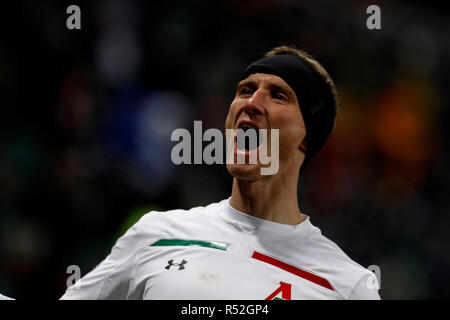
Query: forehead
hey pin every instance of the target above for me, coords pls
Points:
(267, 79)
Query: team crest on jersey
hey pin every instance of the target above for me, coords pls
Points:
(179, 265)
(283, 292)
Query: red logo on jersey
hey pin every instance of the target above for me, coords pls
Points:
(285, 289)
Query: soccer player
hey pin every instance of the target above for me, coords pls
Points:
(256, 244)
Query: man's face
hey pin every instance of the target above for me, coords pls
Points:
(266, 101)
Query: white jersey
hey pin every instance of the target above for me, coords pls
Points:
(2, 297)
(216, 252)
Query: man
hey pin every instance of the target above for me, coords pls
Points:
(256, 244)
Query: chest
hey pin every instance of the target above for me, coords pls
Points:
(210, 271)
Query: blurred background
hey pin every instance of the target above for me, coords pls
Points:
(86, 117)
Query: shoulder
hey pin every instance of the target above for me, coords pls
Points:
(177, 213)
(155, 219)
(178, 222)
(347, 277)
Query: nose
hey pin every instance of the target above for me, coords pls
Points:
(255, 103)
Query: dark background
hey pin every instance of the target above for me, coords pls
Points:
(86, 117)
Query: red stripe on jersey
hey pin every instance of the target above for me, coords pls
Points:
(294, 270)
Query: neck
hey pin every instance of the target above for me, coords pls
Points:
(271, 198)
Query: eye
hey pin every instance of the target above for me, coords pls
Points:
(279, 95)
(245, 90)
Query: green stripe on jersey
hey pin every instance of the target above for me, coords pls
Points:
(179, 242)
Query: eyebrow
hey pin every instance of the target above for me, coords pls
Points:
(272, 86)
(245, 82)
(277, 87)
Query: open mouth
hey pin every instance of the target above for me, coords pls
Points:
(247, 138)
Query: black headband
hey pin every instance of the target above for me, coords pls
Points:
(313, 95)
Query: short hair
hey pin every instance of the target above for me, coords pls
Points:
(325, 121)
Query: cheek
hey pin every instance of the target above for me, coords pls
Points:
(229, 122)
(292, 134)
(299, 126)
(292, 127)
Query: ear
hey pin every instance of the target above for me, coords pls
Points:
(303, 146)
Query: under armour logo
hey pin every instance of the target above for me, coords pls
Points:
(179, 265)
